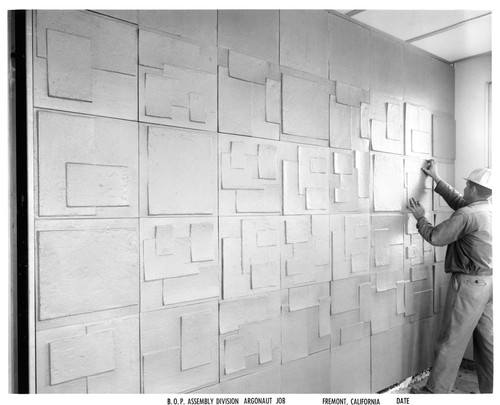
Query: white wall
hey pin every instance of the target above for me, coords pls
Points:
(471, 114)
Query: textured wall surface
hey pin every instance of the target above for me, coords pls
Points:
(220, 202)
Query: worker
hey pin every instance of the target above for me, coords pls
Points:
(468, 309)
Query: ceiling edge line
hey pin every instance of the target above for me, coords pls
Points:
(472, 57)
(354, 12)
(448, 28)
(386, 35)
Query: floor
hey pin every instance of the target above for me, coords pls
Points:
(466, 382)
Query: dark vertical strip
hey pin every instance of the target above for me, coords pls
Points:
(20, 176)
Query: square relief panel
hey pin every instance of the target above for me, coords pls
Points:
(179, 348)
(85, 63)
(306, 176)
(305, 250)
(250, 176)
(386, 123)
(418, 131)
(388, 183)
(87, 166)
(179, 169)
(249, 97)
(304, 40)
(86, 266)
(349, 185)
(250, 255)
(417, 184)
(89, 358)
(350, 240)
(250, 335)
(180, 261)
(178, 82)
(305, 321)
(305, 110)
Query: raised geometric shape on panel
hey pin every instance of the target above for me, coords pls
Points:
(443, 130)
(304, 41)
(350, 367)
(350, 245)
(386, 65)
(86, 166)
(247, 68)
(258, 308)
(387, 243)
(388, 183)
(159, 95)
(198, 25)
(195, 349)
(114, 43)
(308, 259)
(308, 296)
(417, 184)
(81, 356)
(346, 181)
(267, 380)
(179, 352)
(349, 52)
(386, 123)
(158, 50)
(178, 96)
(90, 358)
(394, 122)
(96, 185)
(418, 131)
(345, 293)
(249, 102)
(86, 270)
(301, 332)
(349, 95)
(181, 172)
(250, 338)
(250, 176)
(251, 255)
(182, 255)
(384, 310)
(251, 32)
(69, 66)
(85, 63)
(305, 109)
(307, 375)
(364, 121)
(306, 181)
(341, 131)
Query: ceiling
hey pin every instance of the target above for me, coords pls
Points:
(451, 35)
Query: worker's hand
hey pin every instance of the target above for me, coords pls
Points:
(430, 169)
(416, 209)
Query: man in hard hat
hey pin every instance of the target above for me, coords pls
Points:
(468, 309)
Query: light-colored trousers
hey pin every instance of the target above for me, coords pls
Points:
(468, 312)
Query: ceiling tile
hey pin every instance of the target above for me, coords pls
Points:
(408, 24)
(466, 40)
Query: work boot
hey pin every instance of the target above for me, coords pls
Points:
(420, 390)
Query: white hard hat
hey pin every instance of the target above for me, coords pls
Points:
(483, 177)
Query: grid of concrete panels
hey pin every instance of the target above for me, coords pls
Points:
(220, 202)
